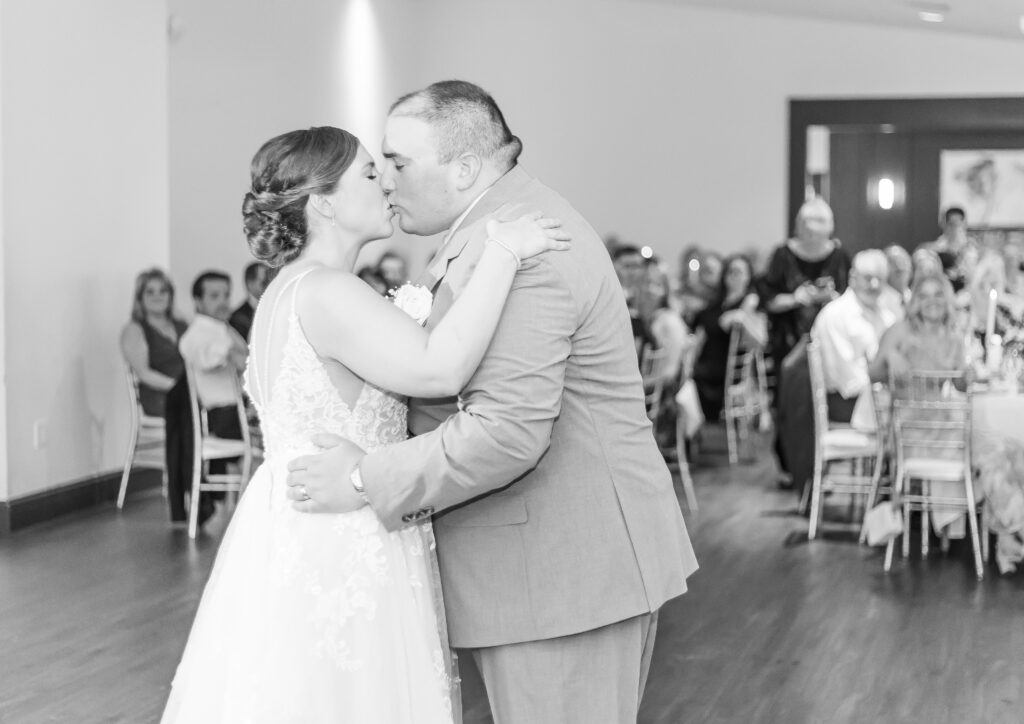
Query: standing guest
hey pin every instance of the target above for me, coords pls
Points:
(149, 342)
(392, 269)
(848, 331)
(217, 354)
(257, 276)
(735, 305)
(951, 244)
(804, 274)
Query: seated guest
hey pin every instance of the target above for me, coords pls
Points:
(1013, 258)
(701, 281)
(924, 262)
(990, 274)
(665, 330)
(734, 306)
(926, 339)
(901, 269)
(217, 354)
(392, 269)
(374, 280)
(848, 331)
(630, 268)
(149, 342)
(257, 276)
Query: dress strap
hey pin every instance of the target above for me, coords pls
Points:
(294, 283)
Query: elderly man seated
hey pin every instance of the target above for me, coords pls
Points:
(848, 329)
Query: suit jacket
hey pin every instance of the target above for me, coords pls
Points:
(559, 514)
(241, 319)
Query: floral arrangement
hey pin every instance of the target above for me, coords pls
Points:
(414, 300)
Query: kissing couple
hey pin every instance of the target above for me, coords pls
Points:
(486, 481)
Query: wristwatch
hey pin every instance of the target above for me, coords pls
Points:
(357, 484)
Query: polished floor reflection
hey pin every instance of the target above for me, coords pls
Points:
(94, 611)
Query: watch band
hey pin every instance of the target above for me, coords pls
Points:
(357, 483)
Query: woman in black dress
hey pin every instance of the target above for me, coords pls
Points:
(149, 342)
(805, 273)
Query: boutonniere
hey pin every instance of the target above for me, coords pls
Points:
(414, 300)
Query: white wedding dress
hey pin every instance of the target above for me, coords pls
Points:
(311, 618)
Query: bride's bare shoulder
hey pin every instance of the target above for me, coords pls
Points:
(333, 291)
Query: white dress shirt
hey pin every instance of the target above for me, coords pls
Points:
(848, 332)
(206, 345)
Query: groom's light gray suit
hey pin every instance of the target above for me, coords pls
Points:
(554, 511)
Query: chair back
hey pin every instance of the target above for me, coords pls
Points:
(931, 418)
(134, 401)
(200, 428)
(746, 379)
(653, 371)
(819, 397)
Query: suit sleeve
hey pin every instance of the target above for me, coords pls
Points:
(505, 416)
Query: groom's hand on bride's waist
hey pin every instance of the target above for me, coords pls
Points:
(322, 483)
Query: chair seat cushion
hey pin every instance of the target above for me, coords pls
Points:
(147, 421)
(846, 442)
(932, 469)
(218, 447)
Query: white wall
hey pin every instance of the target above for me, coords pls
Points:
(3, 292)
(667, 123)
(85, 177)
(242, 73)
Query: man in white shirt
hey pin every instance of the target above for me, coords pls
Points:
(217, 353)
(848, 329)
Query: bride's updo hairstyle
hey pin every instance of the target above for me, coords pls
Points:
(285, 171)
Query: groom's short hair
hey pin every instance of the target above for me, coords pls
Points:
(465, 119)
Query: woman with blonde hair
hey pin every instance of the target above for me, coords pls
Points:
(149, 342)
(928, 338)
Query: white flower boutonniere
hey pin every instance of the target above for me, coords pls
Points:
(414, 300)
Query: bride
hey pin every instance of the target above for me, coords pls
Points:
(331, 618)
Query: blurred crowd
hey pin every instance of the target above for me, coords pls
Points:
(880, 311)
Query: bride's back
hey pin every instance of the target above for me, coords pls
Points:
(298, 393)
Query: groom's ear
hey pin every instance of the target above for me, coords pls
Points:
(467, 170)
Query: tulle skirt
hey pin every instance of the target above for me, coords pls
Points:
(311, 618)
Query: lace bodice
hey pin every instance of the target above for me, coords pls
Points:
(302, 401)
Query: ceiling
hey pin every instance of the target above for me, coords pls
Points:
(993, 18)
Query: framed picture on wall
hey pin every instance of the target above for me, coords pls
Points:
(988, 184)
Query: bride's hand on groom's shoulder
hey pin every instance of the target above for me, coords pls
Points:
(529, 234)
(321, 483)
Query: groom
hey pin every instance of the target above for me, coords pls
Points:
(558, 531)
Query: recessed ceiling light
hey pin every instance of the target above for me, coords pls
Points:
(930, 17)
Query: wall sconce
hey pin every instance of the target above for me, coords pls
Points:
(886, 193)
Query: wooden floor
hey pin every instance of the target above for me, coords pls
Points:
(94, 611)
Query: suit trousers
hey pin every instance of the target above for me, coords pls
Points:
(596, 676)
